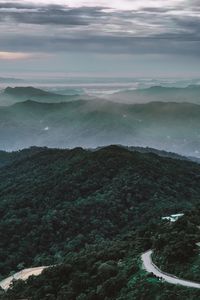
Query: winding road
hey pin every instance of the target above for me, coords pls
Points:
(23, 275)
(150, 267)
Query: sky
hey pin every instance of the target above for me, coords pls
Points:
(140, 38)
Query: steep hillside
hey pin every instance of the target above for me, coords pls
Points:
(177, 246)
(59, 200)
(108, 270)
(7, 158)
(95, 212)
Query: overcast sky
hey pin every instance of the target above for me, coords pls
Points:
(104, 37)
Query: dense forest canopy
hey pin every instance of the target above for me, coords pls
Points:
(62, 207)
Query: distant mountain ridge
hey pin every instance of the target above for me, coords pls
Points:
(159, 93)
(172, 127)
(27, 92)
(10, 80)
(12, 95)
(189, 94)
(31, 93)
(167, 88)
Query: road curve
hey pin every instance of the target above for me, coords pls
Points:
(23, 275)
(150, 267)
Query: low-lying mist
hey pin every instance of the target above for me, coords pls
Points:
(45, 120)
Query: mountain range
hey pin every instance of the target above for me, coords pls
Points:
(12, 95)
(189, 94)
(172, 127)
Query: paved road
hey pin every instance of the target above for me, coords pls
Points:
(150, 267)
(23, 275)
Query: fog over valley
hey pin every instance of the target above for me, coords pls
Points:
(157, 116)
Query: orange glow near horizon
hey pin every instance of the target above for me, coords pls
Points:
(14, 55)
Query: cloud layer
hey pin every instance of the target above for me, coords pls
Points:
(149, 27)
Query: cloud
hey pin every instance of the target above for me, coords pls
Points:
(18, 55)
(115, 26)
(44, 15)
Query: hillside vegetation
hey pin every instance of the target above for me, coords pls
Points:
(92, 213)
(59, 200)
(177, 246)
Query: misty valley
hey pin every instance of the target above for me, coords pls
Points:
(42, 118)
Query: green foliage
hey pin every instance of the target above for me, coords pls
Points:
(97, 272)
(176, 249)
(84, 276)
(57, 201)
(92, 213)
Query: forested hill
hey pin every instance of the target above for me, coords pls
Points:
(7, 158)
(56, 201)
(93, 211)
